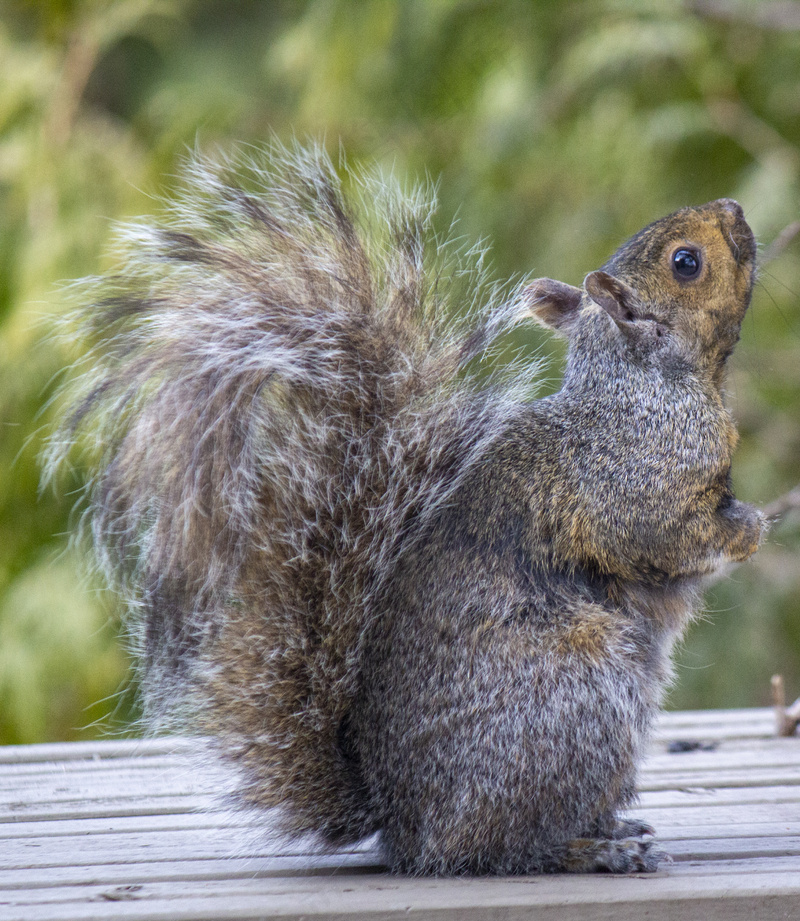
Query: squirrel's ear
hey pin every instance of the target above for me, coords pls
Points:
(614, 296)
(553, 303)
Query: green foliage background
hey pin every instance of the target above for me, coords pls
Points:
(554, 129)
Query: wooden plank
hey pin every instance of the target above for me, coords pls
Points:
(141, 804)
(29, 772)
(762, 896)
(689, 815)
(88, 850)
(697, 848)
(95, 770)
(22, 854)
(756, 722)
(759, 719)
(111, 874)
(704, 816)
(98, 749)
(29, 776)
(776, 753)
(689, 796)
(133, 830)
(164, 775)
(111, 806)
(129, 823)
(724, 777)
(742, 865)
(230, 868)
(141, 807)
(62, 788)
(742, 831)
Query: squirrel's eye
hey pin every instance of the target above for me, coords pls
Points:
(686, 262)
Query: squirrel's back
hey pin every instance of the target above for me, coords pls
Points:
(276, 404)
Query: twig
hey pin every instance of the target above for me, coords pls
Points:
(780, 507)
(79, 62)
(787, 719)
(782, 15)
(780, 243)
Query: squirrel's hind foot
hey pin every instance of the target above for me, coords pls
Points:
(622, 855)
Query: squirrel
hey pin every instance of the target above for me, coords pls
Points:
(402, 594)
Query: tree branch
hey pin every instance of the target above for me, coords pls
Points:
(784, 504)
(780, 243)
(781, 15)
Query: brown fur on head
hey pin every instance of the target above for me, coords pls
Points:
(684, 281)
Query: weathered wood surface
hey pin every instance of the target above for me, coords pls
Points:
(135, 830)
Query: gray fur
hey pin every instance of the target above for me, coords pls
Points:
(402, 600)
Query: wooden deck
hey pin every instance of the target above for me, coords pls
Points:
(132, 830)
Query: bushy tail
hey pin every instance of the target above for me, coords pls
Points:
(274, 403)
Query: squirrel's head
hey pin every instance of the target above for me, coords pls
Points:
(680, 286)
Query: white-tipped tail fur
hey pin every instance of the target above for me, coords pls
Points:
(276, 402)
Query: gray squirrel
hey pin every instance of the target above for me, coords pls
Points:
(404, 596)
